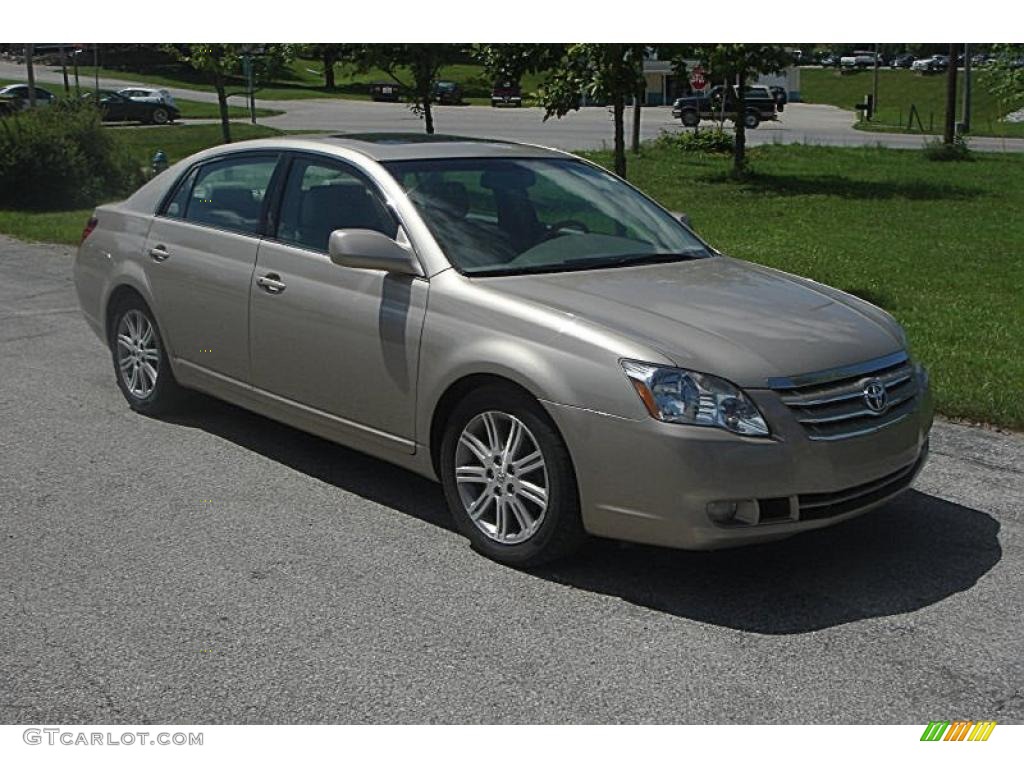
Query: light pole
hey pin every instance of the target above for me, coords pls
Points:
(29, 53)
(965, 112)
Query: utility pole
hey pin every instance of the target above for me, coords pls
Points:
(949, 130)
(965, 112)
(64, 70)
(96, 71)
(29, 53)
(874, 87)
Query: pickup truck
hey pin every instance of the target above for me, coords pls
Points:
(760, 105)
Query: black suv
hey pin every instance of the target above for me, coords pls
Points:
(760, 105)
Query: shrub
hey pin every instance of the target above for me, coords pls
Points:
(941, 152)
(62, 157)
(708, 142)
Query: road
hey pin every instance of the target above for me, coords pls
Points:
(220, 568)
(589, 128)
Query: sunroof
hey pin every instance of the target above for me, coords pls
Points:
(408, 138)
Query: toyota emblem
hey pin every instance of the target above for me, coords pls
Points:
(875, 396)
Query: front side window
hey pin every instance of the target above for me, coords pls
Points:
(506, 215)
(229, 194)
(321, 196)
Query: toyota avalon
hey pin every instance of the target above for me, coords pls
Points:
(564, 355)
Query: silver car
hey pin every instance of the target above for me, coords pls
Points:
(564, 355)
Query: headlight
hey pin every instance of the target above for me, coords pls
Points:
(685, 397)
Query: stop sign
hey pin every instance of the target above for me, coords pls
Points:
(697, 81)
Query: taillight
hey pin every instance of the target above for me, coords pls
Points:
(90, 225)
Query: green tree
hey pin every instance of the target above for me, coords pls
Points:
(330, 54)
(515, 60)
(221, 64)
(414, 66)
(738, 64)
(1005, 76)
(602, 71)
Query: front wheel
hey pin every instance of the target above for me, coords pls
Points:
(690, 119)
(508, 479)
(160, 116)
(751, 120)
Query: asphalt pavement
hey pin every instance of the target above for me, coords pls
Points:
(216, 567)
(587, 128)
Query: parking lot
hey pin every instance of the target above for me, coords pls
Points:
(219, 567)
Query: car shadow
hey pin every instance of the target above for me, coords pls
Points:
(912, 553)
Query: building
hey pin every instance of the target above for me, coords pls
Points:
(664, 86)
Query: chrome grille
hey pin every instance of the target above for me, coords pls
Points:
(833, 406)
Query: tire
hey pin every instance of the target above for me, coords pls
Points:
(690, 118)
(751, 120)
(150, 390)
(513, 487)
(160, 116)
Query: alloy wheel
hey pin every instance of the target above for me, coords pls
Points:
(501, 477)
(138, 356)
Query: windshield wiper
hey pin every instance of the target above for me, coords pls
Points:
(634, 259)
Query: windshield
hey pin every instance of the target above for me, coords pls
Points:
(499, 216)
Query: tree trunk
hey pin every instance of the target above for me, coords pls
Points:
(222, 103)
(29, 53)
(329, 70)
(619, 113)
(949, 131)
(637, 99)
(428, 115)
(739, 156)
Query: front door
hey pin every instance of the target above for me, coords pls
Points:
(201, 252)
(342, 341)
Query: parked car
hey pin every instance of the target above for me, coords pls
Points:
(506, 93)
(447, 92)
(385, 92)
(760, 105)
(149, 95)
(116, 108)
(14, 98)
(931, 64)
(563, 354)
(859, 60)
(829, 59)
(901, 61)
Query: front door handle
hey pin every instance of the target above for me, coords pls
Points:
(271, 283)
(158, 253)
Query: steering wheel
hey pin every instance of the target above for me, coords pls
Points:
(555, 228)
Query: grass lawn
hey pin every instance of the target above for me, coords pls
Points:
(899, 89)
(940, 245)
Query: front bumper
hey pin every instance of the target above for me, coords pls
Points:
(651, 482)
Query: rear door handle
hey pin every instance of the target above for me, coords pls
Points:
(271, 283)
(158, 253)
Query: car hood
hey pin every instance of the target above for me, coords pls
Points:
(719, 315)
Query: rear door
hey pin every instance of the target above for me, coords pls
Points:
(340, 340)
(200, 256)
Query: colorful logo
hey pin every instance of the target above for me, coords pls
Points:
(958, 730)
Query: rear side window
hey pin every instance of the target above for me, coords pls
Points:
(321, 196)
(229, 194)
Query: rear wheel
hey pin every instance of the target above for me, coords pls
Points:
(508, 479)
(751, 119)
(141, 366)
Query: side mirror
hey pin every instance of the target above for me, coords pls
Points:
(368, 249)
(684, 219)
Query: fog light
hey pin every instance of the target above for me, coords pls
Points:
(738, 511)
(722, 511)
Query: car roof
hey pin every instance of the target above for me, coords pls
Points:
(386, 146)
